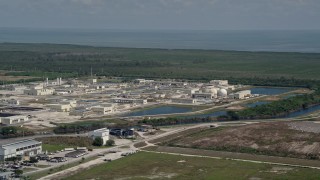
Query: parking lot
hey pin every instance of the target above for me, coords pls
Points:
(103, 157)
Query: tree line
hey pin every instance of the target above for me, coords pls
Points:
(276, 108)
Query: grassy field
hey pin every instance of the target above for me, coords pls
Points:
(160, 166)
(157, 63)
(53, 144)
(55, 147)
(276, 139)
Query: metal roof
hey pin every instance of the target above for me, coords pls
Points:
(2, 174)
(19, 144)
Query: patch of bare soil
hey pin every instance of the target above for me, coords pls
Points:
(303, 91)
(235, 108)
(140, 144)
(278, 139)
(272, 98)
(154, 132)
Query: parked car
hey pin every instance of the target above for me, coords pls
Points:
(26, 164)
(15, 167)
(54, 160)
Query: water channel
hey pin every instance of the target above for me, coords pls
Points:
(169, 109)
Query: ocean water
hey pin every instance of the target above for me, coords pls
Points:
(277, 41)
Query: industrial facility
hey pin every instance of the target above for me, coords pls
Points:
(100, 133)
(70, 100)
(23, 148)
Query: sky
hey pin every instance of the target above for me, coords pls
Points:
(162, 14)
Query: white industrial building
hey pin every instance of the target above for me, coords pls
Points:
(59, 82)
(183, 101)
(24, 148)
(39, 91)
(159, 95)
(142, 81)
(80, 112)
(103, 109)
(210, 89)
(101, 133)
(219, 82)
(64, 106)
(203, 95)
(60, 107)
(240, 94)
(194, 90)
(129, 101)
(13, 119)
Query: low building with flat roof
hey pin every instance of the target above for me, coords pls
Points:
(101, 133)
(129, 101)
(16, 119)
(240, 94)
(23, 148)
(183, 101)
(103, 109)
(203, 95)
(39, 91)
(60, 107)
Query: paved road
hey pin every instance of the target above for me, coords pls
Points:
(75, 169)
(99, 151)
(175, 131)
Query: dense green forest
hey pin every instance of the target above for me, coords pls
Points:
(86, 126)
(276, 108)
(12, 132)
(259, 68)
(175, 121)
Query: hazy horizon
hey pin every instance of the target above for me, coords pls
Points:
(245, 25)
(162, 14)
(239, 40)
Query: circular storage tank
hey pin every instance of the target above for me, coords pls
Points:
(222, 93)
(214, 91)
(207, 90)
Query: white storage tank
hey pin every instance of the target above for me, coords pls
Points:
(214, 91)
(222, 93)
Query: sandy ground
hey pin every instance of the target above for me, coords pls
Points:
(235, 108)
(272, 98)
(42, 119)
(303, 91)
